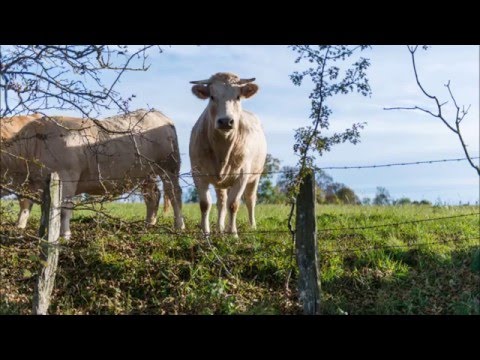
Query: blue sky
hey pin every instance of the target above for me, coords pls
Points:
(390, 136)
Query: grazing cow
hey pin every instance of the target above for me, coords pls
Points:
(99, 157)
(9, 127)
(227, 149)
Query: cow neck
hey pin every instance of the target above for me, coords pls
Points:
(222, 147)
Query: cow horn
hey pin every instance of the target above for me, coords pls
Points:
(245, 81)
(201, 82)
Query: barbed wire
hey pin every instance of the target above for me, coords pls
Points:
(190, 174)
(373, 166)
(319, 232)
(400, 246)
(64, 247)
(399, 223)
(362, 227)
(200, 234)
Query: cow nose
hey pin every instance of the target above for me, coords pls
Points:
(226, 121)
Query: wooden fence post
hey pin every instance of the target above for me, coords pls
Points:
(306, 247)
(50, 223)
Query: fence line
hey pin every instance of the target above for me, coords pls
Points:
(402, 246)
(373, 166)
(70, 250)
(200, 234)
(400, 223)
(138, 231)
(185, 233)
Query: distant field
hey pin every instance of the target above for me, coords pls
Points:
(112, 267)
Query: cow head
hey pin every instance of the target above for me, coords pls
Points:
(225, 91)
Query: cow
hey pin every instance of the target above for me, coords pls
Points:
(9, 127)
(227, 149)
(112, 156)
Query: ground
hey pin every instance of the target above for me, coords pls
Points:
(114, 266)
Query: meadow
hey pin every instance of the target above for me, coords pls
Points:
(114, 265)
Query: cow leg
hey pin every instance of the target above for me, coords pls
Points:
(205, 205)
(173, 192)
(222, 208)
(23, 215)
(233, 203)
(151, 196)
(166, 204)
(250, 201)
(69, 189)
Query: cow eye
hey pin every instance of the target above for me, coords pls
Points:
(211, 97)
(238, 97)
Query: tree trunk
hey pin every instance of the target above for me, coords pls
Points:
(306, 248)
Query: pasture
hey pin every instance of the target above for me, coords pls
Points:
(121, 267)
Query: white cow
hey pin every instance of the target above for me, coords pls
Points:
(98, 157)
(227, 149)
(9, 127)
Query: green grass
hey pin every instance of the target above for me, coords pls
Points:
(120, 267)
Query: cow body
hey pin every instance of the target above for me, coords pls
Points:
(227, 149)
(9, 127)
(99, 157)
(12, 125)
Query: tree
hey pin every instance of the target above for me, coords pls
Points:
(35, 78)
(331, 193)
(366, 201)
(326, 190)
(322, 179)
(347, 196)
(328, 80)
(338, 193)
(192, 196)
(460, 113)
(382, 197)
(267, 192)
(286, 179)
(403, 201)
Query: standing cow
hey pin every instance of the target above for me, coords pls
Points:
(227, 149)
(98, 157)
(9, 127)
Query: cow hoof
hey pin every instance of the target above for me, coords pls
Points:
(180, 225)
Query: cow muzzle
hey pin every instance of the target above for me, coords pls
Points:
(225, 124)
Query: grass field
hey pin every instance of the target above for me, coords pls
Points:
(111, 267)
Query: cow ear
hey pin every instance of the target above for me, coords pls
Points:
(201, 91)
(249, 90)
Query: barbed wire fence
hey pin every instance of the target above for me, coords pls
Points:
(138, 226)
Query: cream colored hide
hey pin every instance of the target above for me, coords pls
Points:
(227, 149)
(99, 157)
(9, 127)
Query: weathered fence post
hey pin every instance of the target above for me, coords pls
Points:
(306, 247)
(50, 223)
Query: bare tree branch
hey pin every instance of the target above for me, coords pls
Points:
(459, 114)
(65, 77)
